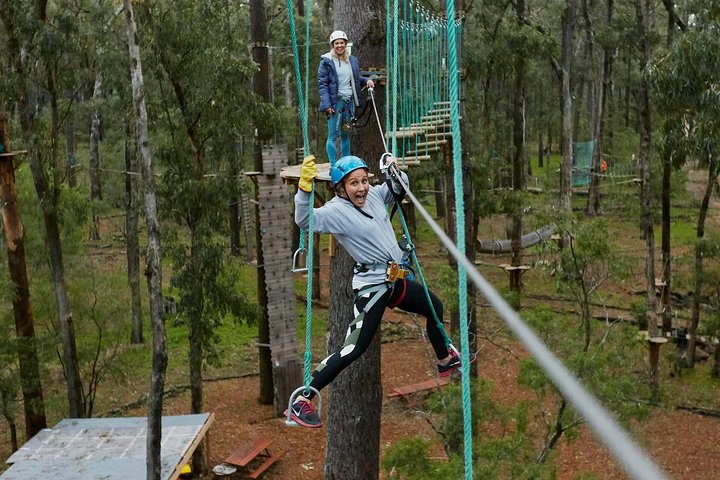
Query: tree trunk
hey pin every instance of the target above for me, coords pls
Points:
(598, 118)
(518, 115)
(643, 9)
(568, 27)
(355, 396)
(697, 295)
(665, 299)
(94, 158)
(234, 216)
(645, 157)
(439, 198)
(70, 149)
(132, 231)
(261, 86)
(153, 270)
(49, 196)
(32, 391)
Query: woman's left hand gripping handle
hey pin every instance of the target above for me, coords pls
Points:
(307, 173)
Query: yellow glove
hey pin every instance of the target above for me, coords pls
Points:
(307, 173)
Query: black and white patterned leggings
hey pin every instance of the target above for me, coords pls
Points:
(406, 295)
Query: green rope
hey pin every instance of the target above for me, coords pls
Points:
(396, 53)
(298, 78)
(302, 106)
(460, 236)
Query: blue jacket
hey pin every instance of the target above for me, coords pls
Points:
(328, 81)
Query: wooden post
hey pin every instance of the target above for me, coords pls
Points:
(655, 343)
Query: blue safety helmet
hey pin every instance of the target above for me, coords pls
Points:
(344, 166)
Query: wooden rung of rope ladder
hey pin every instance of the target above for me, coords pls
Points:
(445, 116)
(422, 151)
(434, 143)
(412, 161)
(438, 104)
(409, 133)
(438, 135)
(439, 111)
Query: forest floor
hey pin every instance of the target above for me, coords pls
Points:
(684, 444)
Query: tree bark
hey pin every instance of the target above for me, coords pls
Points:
(665, 298)
(70, 149)
(643, 8)
(14, 233)
(568, 27)
(518, 162)
(697, 295)
(354, 400)
(355, 397)
(132, 170)
(94, 158)
(598, 121)
(261, 86)
(153, 270)
(49, 193)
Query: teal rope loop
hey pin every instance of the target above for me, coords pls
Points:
(302, 106)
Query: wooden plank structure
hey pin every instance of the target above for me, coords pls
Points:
(107, 448)
(254, 456)
(274, 223)
(424, 386)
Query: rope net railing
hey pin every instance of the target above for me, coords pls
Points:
(418, 80)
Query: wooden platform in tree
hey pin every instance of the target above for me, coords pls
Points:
(430, 384)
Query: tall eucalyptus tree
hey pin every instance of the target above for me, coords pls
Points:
(153, 270)
(38, 45)
(686, 85)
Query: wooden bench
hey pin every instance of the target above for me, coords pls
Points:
(254, 449)
(418, 387)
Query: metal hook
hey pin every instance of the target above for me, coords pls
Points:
(384, 165)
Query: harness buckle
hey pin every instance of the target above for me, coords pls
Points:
(395, 272)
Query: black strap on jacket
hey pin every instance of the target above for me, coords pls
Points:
(399, 197)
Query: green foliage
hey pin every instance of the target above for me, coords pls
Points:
(685, 86)
(638, 310)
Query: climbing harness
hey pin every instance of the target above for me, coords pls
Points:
(393, 270)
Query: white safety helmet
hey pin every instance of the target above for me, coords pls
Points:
(337, 35)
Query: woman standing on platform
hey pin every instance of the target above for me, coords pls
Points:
(339, 84)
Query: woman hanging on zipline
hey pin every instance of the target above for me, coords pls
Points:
(359, 220)
(339, 83)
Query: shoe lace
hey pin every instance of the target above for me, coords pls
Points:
(305, 408)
